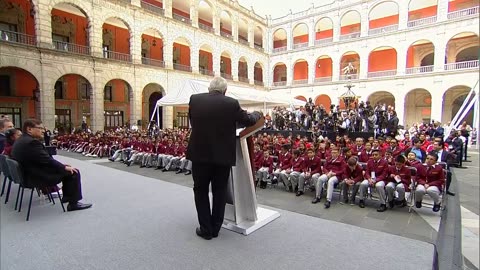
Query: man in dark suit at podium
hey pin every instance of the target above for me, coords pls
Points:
(212, 150)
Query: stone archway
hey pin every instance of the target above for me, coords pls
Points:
(151, 94)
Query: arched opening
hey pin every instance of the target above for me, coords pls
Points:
(420, 57)
(300, 72)
(205, 60)
(279, 40)
(350, 25)
(349, 66)
(118, 110)
(453, 100)
(280, 75)
(226, 25)
(300, 36)
(243, 70)
(151, 94)
(181, 55)
(18, 22)
(116, 40)
(323, 31)
(382, 62)
(152, 48)
(205, 16)
(421, 12)
(70, 29)
(381, 98)
(301, 98)
(19, 95)
(462, 8)
(258, 38)
(324, 101)
(181, 11)
(72, 102)
(323, 69)
(462, 51)
(243, 32)
(383, 18)
(418, 106)
(258, 74)
(226, 66)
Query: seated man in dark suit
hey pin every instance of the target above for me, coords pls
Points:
(41, 170)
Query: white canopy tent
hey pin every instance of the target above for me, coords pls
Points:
(248, 98)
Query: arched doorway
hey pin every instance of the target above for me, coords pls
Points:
(118, 110)
(418, 107)
(151, 94)
(453, 100)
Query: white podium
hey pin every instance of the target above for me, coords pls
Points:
(241, 212)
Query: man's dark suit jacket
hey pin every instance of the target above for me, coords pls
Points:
(213, 118)
(39, 167)
(3, 141)
(392, 125)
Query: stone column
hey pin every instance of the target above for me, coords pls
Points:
(194, 13)
(95, 30)
(43, 25)
(97, 115)
(194, 59)
(363, 64)
(216, 21)
(235, 68)
(168, 117)
(251, 72)
(442, 11)
(437, 104)
(400, 108)
(336, 67)
(439, 57)
(136, 3)
(364, 20)
(336, 27)
(136, 106)
(234, 22)
(47, 106)
(401, 61)
(168, 53)
(289, 31)
(136, 47)
(311, 33)
(216, 63)
(311, 68)
(167, 5)
(289, 67)
(251, 35)
(402, 15)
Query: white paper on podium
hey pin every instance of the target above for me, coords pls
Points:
(239, 130)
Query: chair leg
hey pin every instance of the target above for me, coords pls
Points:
(60, 199)
(3, 186)
(8, 190)
(21, 200)
(18, 195)
(29, 205)
(48, 196)
(38, 192)
(51, 197)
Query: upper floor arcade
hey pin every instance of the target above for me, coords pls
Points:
(352, 20)
(67, 27)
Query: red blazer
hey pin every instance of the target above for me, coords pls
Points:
(356, 150)
(312, 165)
(380, 168)
(267, 162)
(435, 176)
(364, 156)
(257, 160)
(396, 152)
(421, 176)
(335, 165)
(405, 175)
(324, 155)
(356, 174)
(297, 164)
(169, 149)
(284, 161)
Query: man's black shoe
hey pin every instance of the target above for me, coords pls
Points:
(178, 172)
(450, 193)
(142, 166)
(78, 206)
(111, 159)
(203, 235)
(402, 203)
(316, 200)
(436, 207)
(418, 204)
(263, 184)
(327, 204)
(148, 166)
(158, 168)
(361, 204)
(128, 163)
(290, 188)
(296, 188)
(391, 204)
(164, 170)
(382, 208)
(299, 193)
(188, 172)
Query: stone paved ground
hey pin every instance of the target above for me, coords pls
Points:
(397, 221)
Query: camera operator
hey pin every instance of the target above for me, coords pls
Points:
(392, 124)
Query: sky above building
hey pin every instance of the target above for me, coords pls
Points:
(279, 8)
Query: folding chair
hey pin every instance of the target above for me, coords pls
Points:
(7, 177)
(413, 185)
(17, 176)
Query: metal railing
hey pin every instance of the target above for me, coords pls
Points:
(300, 45)
(462, 65)
(260, 83)
(384, 29)
(69, 47)
(226, 76)
(422, 21)
(16, 37)
(278, 84)
(344, 77)
(181, 18)
(463, 13)
(225, 34)
(153, 62)
(279, 49)
(243, 79)
(349, 36)
(153, 8)
(243, 41)
(182, 67)
(205, 27)
(117, 56)
(383, 73)
(416, 70)
(258, 47)
(323, 41)
(323, 79)
(206, 72)
(300, 82)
